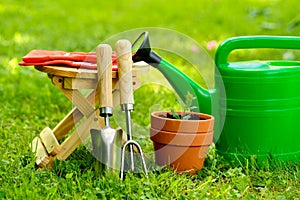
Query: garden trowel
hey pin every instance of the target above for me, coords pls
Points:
(107, 141)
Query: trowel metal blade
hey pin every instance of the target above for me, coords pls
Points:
(107, 146)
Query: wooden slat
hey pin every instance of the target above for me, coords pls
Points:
(79, 83)
(67, 123)
(73, 117)
(69, 72)
(79, 135)
(50, 142)
(83, 105)
(138, 68)
(42, 157)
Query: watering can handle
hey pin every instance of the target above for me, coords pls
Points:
(252, 42)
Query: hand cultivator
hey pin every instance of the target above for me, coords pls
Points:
(124, 58)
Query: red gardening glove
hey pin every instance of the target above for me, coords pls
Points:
(66, 63)
(45, 55)
(61, 58)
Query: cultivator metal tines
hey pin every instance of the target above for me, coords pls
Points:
(124, 60)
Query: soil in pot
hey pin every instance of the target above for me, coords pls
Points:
(192, 116)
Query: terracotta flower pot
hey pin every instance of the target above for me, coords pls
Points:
(181, 144)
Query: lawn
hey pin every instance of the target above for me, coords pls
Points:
(30, 102)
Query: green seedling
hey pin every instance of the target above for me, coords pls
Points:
(187, 107)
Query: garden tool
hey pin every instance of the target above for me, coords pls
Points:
(253, 102)
(107, 141)
(124, 60)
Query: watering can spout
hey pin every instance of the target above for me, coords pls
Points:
(182, 84)
(144, 51)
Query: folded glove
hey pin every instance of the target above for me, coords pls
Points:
(45, 55)
(62, 58)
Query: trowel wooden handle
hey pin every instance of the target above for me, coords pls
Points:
(104, 67)
(124, 59)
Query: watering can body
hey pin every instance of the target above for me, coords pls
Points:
(262, 102)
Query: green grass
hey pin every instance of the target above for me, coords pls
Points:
(29, 102)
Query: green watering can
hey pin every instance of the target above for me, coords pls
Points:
(256, 104)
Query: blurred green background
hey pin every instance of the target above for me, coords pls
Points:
(29, 101)
(80, 25)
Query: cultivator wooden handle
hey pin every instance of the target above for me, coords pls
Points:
(104, 63)
(124, 60)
